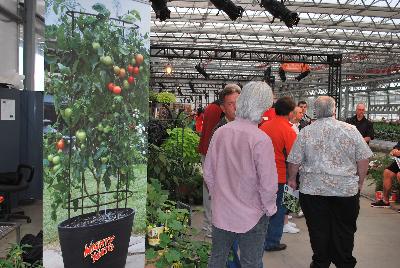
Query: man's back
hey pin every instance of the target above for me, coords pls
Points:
(283, 136)
(329, 150)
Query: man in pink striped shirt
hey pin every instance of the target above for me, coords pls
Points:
(241, 176)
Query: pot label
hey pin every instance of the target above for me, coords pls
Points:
(99, 249)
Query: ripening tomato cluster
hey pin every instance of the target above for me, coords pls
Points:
(127, 78)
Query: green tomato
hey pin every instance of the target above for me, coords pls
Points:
(81, 135)
(83, 146)
(116, 70)
(91, 119)
(141, 68)
(108, 60)
(56, 160)
(50, 157)
(100, 127)
(67, 113)
(56, 167)
(133, 61)
(125, 84)
(95, 45)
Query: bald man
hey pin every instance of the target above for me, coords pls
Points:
(364, 126)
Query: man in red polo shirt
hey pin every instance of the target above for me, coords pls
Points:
(283, 136)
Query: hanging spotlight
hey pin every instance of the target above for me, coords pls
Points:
(233, 11)
(179, 91)
(168, 69)
(302, 75)
(282, 74)
(161, 9)
(267, 74)
(278, 10)
(268, 78)
(201, 71)
(191, 85)
(162, 87)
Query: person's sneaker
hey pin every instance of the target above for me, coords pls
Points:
(289, 217)
(277, 248)
(380, 204)
(291, 224)
(290, 229)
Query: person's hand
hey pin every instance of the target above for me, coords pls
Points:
(292, 184)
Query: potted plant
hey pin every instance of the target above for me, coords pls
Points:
(98, 74)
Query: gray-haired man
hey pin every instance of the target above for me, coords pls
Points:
(334, 161)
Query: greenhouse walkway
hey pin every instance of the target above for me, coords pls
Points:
(377, 241)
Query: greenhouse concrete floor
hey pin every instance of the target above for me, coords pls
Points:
(377, 241)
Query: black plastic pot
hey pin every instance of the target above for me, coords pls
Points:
(97, 245)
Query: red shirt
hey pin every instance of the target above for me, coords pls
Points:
(268, 115)
(199, 122)
(283, 136)
(212, 114)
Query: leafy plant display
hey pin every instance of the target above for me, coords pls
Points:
(14, 258)
(98, 74)
(166, 97)
(177, 247)
(375, 172)
(387, 131)
(183, 141)
(180, 176)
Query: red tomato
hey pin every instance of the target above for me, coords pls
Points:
(130, 68)
(110, 86)
(60, 144)
(131, 79)
(117, 90)
(135, 70)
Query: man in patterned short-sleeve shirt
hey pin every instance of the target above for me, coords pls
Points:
(333, 161)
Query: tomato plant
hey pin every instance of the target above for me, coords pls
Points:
(93, 138)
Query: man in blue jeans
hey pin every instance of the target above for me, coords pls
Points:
(280, 130)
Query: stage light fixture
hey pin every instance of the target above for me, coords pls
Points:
(168, 68)
(233, 11)
(191, 85)
(202, 71)
(282, 74)
(268, 78)
(278, 10)
(302, 75)
(161, 9)
(179, 91)
(162, 87)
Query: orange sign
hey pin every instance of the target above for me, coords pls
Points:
(295, 67)
(99, 249)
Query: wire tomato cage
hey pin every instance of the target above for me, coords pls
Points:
(78, 203)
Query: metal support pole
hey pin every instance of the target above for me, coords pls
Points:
(29, 44)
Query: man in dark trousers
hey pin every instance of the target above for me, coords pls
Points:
(363, 125)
